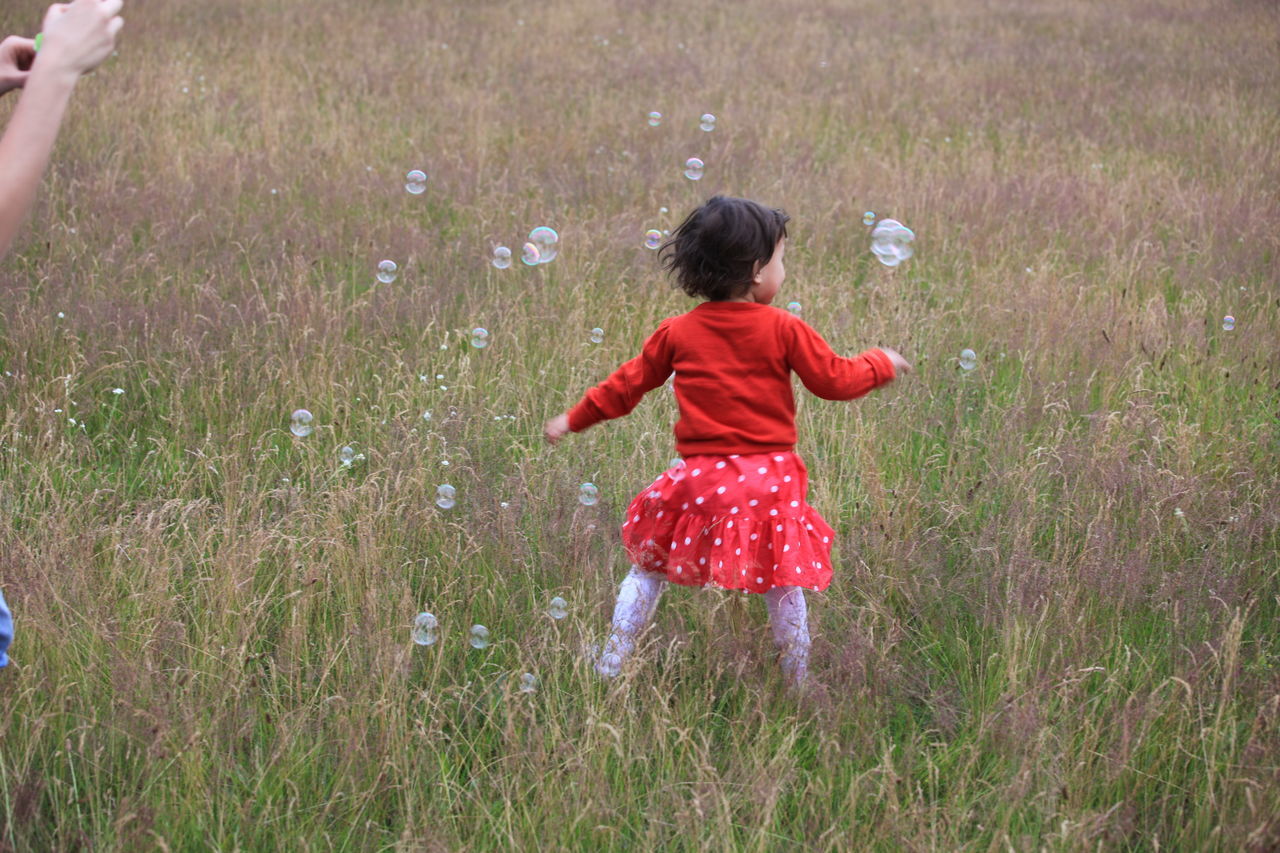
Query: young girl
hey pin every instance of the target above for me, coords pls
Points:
(733, 512)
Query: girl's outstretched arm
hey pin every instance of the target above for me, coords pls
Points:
(619, 394)
(833, 377)
(78, 36)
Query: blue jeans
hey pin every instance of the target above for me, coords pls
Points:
(6, 631)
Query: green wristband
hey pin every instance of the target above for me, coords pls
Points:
(39, 41)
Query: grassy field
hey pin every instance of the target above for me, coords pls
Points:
(1053, 623)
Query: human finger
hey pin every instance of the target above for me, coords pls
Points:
(114, 26)
(111, 7)
(55, 11)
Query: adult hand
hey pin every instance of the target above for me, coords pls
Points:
(79, 35)
(16, 55)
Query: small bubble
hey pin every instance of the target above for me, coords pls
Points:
(588, 494)
(676, 470)
(61, 316)
(707, 122)
(425, 629)
(968, 359)
(794, 308)
(547, 241)
(529, 255)
(663, 211)
(117, 391)
(348, 455)
(445, 496)
(652, 238)
(502, 257)
(693, 168)
(479, 637)
(597, 336)
(528, 683)
(300, 423)
(1228, 323)
(479, 338)
(655, 118)
(1178, 513)
(426, 416)
(387, 271)
(558, 608)
(415, 182)
(869, 218)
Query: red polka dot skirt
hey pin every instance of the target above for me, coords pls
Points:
(737, 522)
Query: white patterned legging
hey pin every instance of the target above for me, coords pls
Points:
(638, 598)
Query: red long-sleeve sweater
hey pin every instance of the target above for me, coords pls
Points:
(733, 363)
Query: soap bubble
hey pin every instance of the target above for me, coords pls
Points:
(117, 391)
(530, 255)
(968, 359)
(676, 470)
(425, 629)
(547, 241)
(387, 271)
(707, 122)
(891, 242)
(869, 218)
(445, 496)
(558, 608)
(502, 257)
(652, 238)
(479, 637)
(1178, 513)
(1228, 323)
(416, 182)
(693, 169)
(348, 455)
(655, 118)
(479, 338)
(588, 494)
(300, 423)
(528, 682)
(794, 308)
(597, 336)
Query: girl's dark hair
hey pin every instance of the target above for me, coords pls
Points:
(714, 252)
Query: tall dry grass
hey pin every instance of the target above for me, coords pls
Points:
(1052, 626)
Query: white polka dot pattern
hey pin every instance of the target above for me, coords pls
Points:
(716, 530)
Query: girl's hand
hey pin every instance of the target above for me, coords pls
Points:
(79, 35)
(556, 428)
(900, 364)
(16, 55)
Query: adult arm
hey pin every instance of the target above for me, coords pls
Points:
(78, 36)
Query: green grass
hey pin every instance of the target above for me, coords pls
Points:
(1024, 646)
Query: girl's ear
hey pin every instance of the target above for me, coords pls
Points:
(755, 271)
